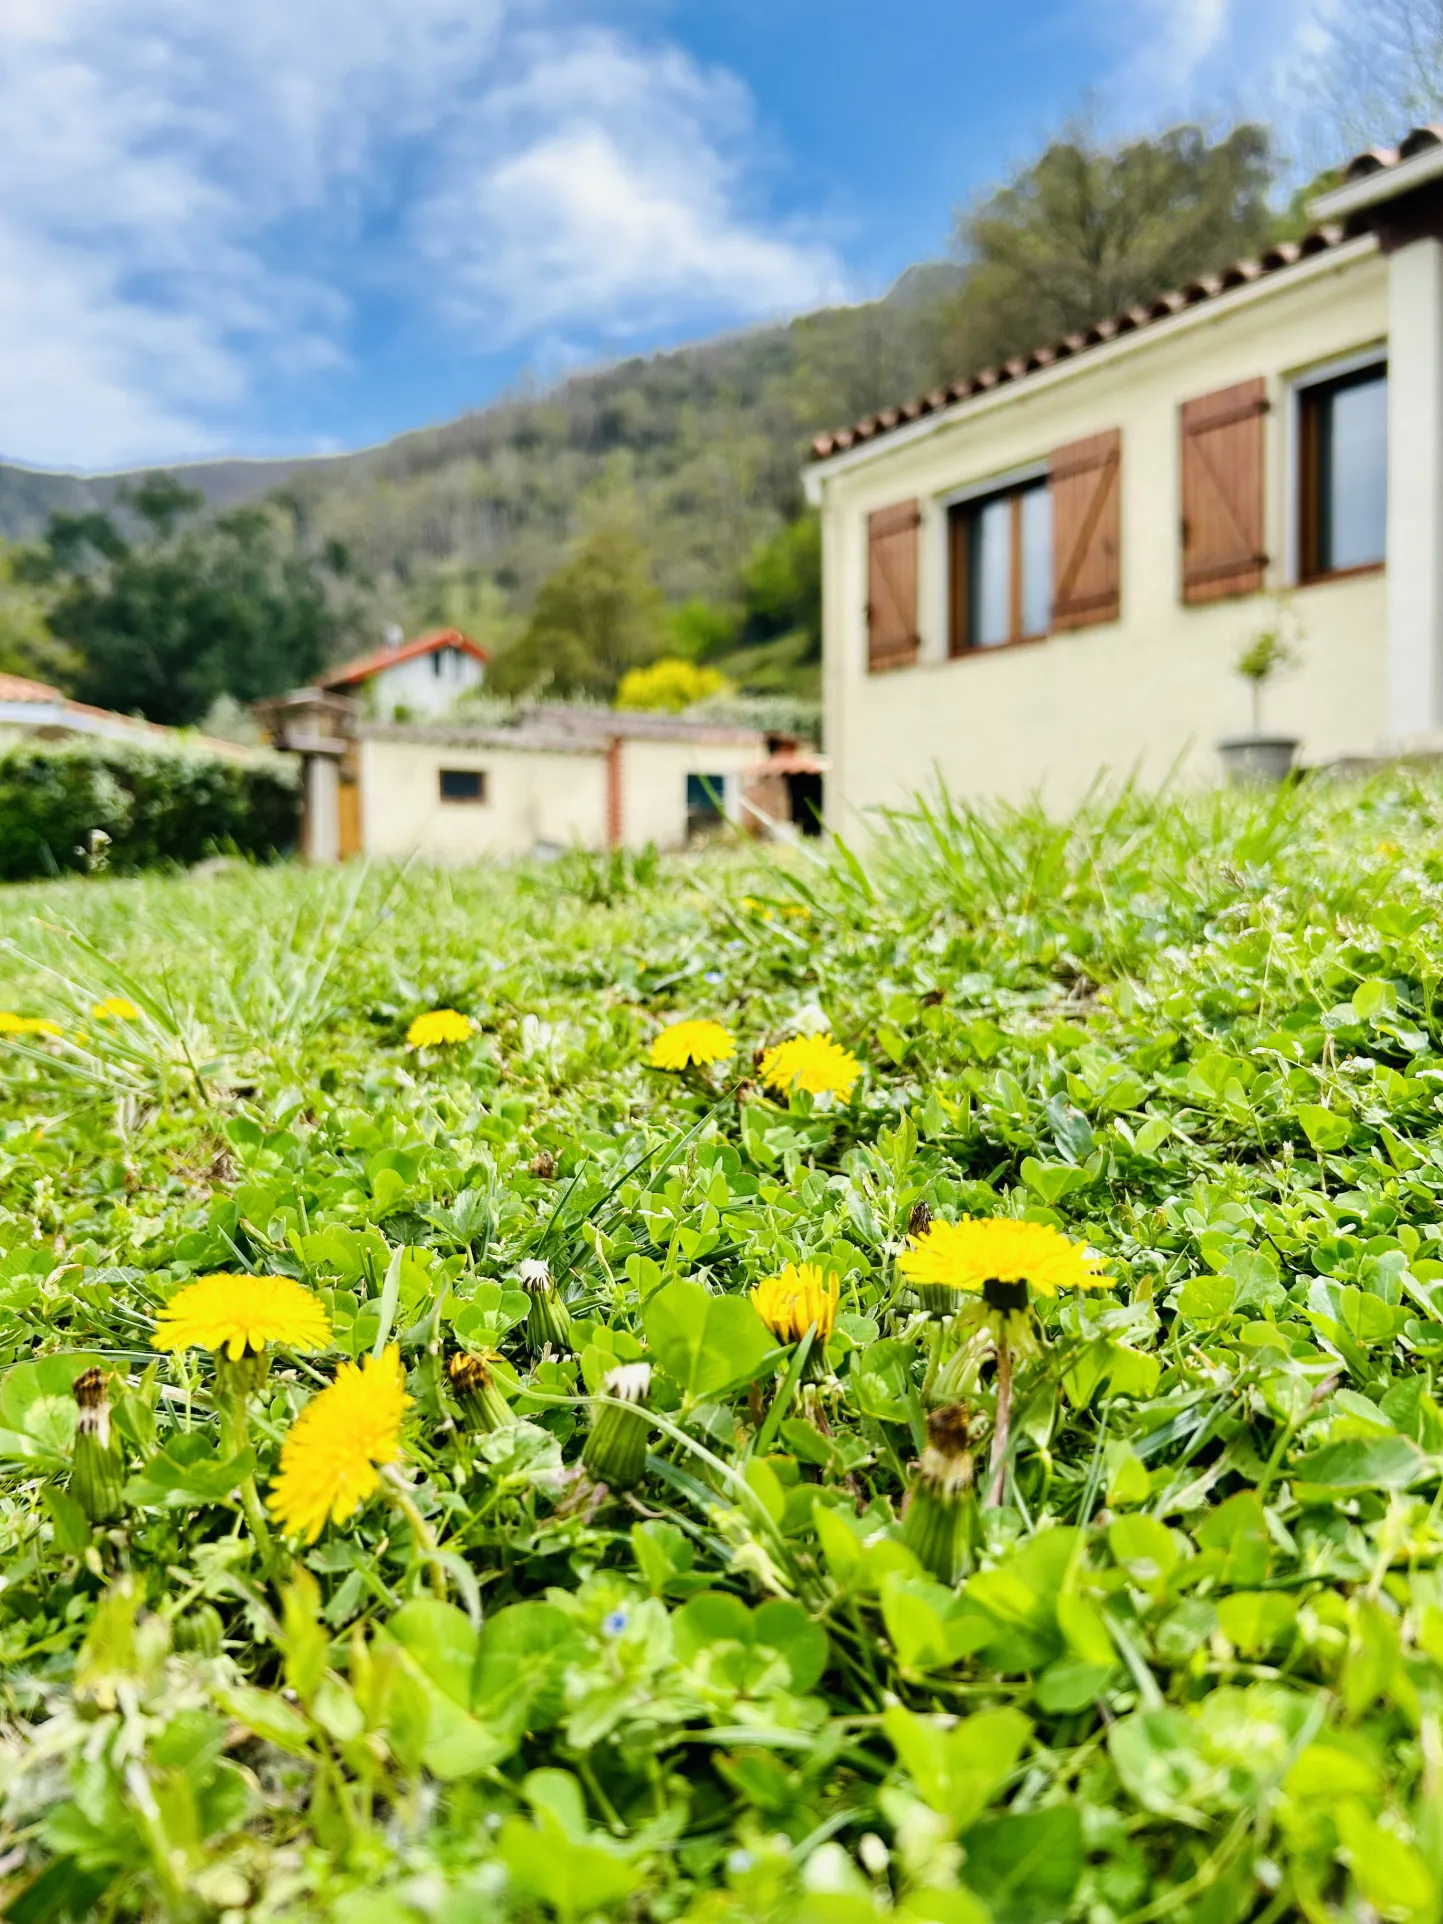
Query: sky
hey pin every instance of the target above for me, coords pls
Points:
(290, 226)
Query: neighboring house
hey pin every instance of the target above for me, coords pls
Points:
(408, 680)
(1050, 568)
(555, 777)
(36, 710)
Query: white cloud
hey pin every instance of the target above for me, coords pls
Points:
(195, 194)
(602, 183)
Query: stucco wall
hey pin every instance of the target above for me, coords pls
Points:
(654, 785)
(531, 797)
(1155, 688)
(416, 686)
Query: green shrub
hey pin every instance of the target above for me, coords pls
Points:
(156, 805)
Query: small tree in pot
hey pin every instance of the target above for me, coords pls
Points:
(1259, 757)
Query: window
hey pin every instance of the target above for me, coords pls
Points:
(705, 795)
(438, 662)
(463, 785)
(1001, 568)
(1342, 461)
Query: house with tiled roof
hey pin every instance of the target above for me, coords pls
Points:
(1048, 569)
(35, 710)
(410, 680)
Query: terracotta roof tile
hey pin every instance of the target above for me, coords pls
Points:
(364, 666)
(21, 688)
(1207, 288)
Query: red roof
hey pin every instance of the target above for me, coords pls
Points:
(21, 688)
(1374, 160)
(364, 666)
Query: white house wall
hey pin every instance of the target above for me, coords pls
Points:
(415, 686)
(654, 778)
(1157, 687)
(531, 796)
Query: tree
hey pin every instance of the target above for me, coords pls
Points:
(1088, 231)
(167, 612)
(782, 585)
(1379, 73)
(599, 614)
(27, 647)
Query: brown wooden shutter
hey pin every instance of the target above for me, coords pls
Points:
(1222, 493)
(892, 586)
(1086, 531)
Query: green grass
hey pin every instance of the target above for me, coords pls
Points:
(1193, 1666)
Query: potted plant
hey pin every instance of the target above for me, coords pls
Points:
(1257, 756)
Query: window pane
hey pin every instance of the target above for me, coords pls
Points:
(992, 574)
(1036, 561)
(463, 785)
(1354, 483)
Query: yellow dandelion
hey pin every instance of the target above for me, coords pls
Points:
(811, 1062)
(240, 1315)
(437, 1027)
(1000, 1260)
(803, 1297)
(682, 1043)
(12, 1024)
(115, 1008)
(330, 1457)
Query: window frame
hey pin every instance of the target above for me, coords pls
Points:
(1351, 370)
(480, 799)
(963, 510)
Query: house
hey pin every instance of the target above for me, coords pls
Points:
(1049, 569)
(408, 680)
(554, 777)
(35, 710)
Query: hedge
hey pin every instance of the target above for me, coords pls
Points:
(156, 804)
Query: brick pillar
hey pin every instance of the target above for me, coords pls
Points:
(615, 793)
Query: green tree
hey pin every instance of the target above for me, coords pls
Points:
(782, 585)
(165, 612)
(27, 646)
(1089, 230)
(599, 614)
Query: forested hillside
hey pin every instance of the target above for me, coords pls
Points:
(677, 477)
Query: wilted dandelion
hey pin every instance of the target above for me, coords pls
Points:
(335, 1448)
(615, 1452)
(438, 1028)
(683, 1045)
(812, 1062)
(936, 1528)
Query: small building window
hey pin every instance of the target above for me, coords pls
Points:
(1000, 552)
(1343, 460)
(463, 785)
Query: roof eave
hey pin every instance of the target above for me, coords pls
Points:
(1379, 187)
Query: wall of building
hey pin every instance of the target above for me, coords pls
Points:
(1156, 688)
(531, 796)
(654, 777)
(418, 687)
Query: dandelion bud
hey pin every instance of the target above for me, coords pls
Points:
(548, 1320)
(615, 1452)
(97, 1468)
(937, 1528)
(476, 1390)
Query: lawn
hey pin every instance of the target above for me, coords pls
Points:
(541, 1555)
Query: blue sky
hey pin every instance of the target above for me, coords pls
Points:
(266, 226)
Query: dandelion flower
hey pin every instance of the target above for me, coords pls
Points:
(330, 1458)
(12, 1024)
(242, 1314)
(685, 1043)
(811, 1062)
(439, 1026)
(1000, 1260)
(801, 1298)
(115, 1008)
(615, 1449)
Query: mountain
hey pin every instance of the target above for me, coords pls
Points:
(698, 449)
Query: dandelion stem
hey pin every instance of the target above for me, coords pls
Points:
(1003, 1427)
(420, 1530)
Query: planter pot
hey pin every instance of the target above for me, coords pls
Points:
(1258, 758)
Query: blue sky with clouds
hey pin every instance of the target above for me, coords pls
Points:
(264, 226)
